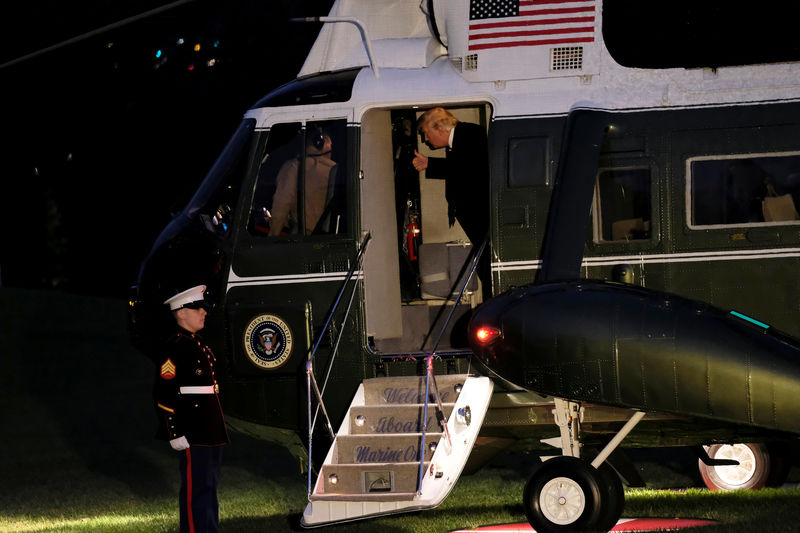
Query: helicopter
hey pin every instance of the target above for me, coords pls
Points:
(644, 178)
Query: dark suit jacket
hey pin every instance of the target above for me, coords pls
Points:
(466, 174)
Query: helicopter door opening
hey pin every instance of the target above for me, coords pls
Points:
(412, 266)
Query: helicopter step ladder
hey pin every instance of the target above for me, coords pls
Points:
(373, 466)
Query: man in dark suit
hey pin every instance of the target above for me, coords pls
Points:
(186, 398)
(465, 170)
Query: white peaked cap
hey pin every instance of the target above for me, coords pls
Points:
(195, 294)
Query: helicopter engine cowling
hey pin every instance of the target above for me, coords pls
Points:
(622, 345)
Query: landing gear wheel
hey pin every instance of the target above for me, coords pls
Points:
(780, 462)
(563, 494)
(752, 472)
(613, 499)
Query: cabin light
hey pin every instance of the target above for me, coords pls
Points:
(464, 415)
(361, 420)
(749, 319)
(333, 479)
(197, 47)
(486, 334)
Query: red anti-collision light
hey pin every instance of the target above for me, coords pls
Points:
(486, 334)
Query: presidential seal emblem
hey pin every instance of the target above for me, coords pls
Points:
(267, 341)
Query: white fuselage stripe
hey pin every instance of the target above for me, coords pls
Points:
(288, 279)
(507, 266)
(687, 257)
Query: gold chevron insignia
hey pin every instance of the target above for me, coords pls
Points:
(168, 369)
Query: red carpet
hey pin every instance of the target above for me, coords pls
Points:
(625, 524)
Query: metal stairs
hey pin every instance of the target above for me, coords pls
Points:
(373, 466)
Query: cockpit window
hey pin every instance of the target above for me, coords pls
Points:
(740, 190)
(301, 187)
(214, 202)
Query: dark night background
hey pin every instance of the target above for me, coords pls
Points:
(104, 140)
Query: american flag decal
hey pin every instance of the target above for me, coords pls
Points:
(511, 23)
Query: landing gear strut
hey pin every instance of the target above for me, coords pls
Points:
(568, 493)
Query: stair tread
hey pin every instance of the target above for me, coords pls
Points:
(403, 405)
(417, 378)
(374, 465)
(384, 497)
(410, 390)
(398, 435)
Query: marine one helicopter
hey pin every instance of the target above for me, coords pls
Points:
(644, 243)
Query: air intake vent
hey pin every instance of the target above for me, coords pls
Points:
(566, 58)
(471, 62)
(456, 62)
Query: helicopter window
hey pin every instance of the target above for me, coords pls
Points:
(527, 161)
(744, 189)
(622, 206)
(215, 199)
(301, 183)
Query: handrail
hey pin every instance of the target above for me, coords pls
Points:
(429, 372)
(362, 29)
(334, 350)
(471, 272)
(311, 381)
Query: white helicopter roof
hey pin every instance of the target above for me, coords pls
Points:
(522, 56)
(397, 29)
(485, 39)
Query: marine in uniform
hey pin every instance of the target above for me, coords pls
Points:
(186, 398)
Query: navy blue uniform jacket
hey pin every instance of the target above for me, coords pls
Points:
(186, 361)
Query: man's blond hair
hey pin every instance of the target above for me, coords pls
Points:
(437, 118)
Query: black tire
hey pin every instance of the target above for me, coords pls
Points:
(563, 494)
(612, 500)
(780, 462)
(751, 473)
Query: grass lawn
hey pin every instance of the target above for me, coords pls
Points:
(76, 453)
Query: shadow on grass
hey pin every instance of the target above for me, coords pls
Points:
(77, 395)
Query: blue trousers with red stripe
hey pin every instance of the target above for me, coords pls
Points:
(200, 470)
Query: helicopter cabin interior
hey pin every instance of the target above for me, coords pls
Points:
(415, 265)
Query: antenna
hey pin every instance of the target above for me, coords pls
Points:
(94, 32)
(361, 28)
